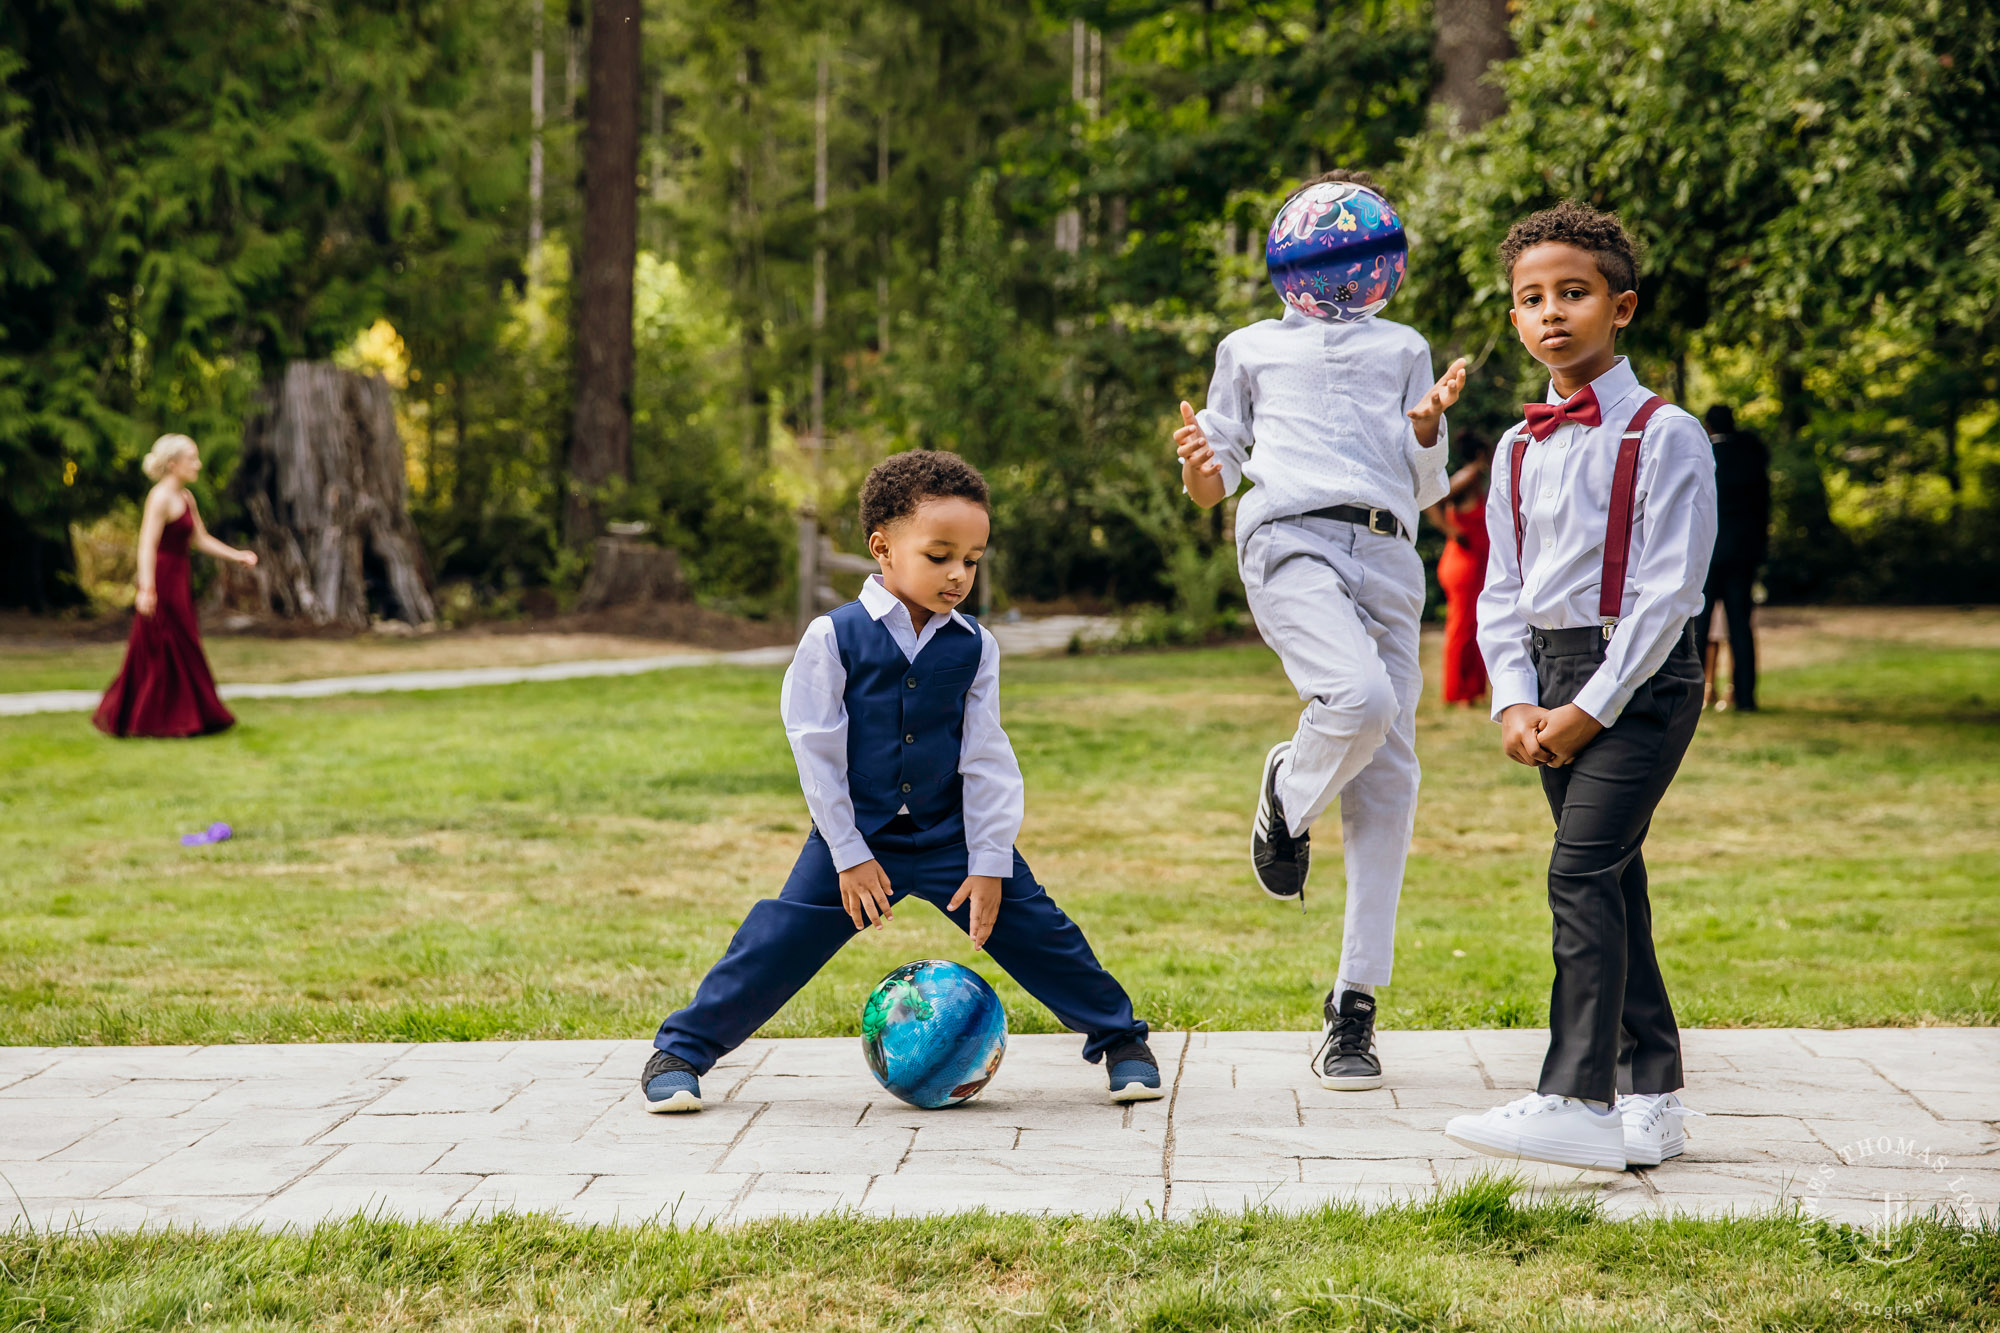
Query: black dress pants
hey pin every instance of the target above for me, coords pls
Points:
(1611, 1026)
(1731, 584)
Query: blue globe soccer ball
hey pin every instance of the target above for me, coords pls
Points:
(934, 1033)
(1336, 252)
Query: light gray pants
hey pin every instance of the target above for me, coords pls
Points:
(1341, 605)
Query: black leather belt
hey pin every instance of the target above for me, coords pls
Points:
(1375, 520)
(1581, 641)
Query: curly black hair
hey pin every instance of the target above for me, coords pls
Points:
(1582, 226)
(1338, 176)
(901, 482)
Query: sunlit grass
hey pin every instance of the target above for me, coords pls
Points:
(566, 859)
(1470, 1260)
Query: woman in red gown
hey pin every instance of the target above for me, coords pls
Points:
(1462, 574)
(164, 688)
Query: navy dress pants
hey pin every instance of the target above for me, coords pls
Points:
(785, 941)
(1611, 1025)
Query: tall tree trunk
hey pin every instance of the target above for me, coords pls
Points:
(882, 236)
(601, 436)
(1471, 37)
(746, 226)
(537, 111)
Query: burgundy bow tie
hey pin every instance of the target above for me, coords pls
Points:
(1581, 408)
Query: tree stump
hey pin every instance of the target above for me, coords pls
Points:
(322, 481)
(624, 569)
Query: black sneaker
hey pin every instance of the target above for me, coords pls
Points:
(1134, 1073)
(1280, 860)
(671, 1085)
(1347, 1061)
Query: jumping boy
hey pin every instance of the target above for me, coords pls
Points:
(1340, 431)
(1601, 519)
(892, 708)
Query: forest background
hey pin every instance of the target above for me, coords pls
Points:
(1036, 222)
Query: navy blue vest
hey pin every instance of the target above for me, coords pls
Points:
(904, 719)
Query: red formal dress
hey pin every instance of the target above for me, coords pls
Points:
(1462, 573)
(164, 688)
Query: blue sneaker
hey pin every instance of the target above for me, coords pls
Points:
(1135, 1074)
(671, 1085)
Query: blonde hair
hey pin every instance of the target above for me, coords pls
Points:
(161, 456)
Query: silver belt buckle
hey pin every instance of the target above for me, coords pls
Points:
(1381, 522)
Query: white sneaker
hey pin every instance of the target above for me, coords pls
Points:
(1653, 1130)
(1540, 1128)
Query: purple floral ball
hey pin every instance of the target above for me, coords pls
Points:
(1336, 252)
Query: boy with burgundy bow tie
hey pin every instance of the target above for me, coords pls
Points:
(1601, 519)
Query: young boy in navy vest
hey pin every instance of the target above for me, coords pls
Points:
(1340, 430)
(892, 708)
(1601, 520)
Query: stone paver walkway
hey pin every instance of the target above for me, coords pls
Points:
(1843, 1124)
(1048, 634)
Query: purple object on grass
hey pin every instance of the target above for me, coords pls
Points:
(216, 832)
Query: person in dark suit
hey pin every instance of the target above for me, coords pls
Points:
(1742, 540)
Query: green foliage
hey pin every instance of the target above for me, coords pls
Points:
(1814, 186)
(194, 194)
(1039, 219)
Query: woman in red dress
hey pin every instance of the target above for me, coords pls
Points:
(1462, 574)
(164, 688)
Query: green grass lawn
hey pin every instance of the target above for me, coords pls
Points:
(1468, 1261)
(566, 859)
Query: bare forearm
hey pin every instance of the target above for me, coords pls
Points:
(208, 545)
(1204, 488)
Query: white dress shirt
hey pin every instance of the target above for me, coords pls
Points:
(813, 704)
(1565, 503)
(1323, 404)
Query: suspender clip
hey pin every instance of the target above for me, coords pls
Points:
(1610, 623)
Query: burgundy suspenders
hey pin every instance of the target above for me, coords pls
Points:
(1618, 524)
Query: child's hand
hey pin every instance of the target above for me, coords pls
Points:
(865, 889)
(1563, 732)
(1200, 473)
(1424, 416)
(1192, 445)
(1520, 735)
(984, 891)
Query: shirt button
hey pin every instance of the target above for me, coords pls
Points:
(911, 682)
(906, 786)
(1548, 492)
(909, 738)
(1547, 542)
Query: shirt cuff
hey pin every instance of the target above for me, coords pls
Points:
(849, 852)
(1603, 697)
(999, 865)
(1514, 687)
